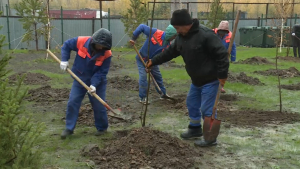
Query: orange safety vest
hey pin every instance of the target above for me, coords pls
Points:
(227, 39)
(83, 51)
(157, 37)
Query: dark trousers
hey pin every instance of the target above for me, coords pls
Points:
(296, 46)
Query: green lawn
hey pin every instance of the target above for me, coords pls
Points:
(269, 147)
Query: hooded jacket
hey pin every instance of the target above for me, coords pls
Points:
(205, 57)
(88, 68)
(158, 41)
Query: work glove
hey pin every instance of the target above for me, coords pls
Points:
(148, 66)
(293, 34)
(64, 65)
(93, 90)
(222, 82)
(132, 42)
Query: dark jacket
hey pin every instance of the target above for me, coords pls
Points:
(296, 30)
(205, 57)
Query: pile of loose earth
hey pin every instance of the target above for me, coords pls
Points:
(284, 73)
(255, 61)
(142, 148)
(257, 118)
(243, 78)
(123, 83)
(289, 58)
(86, 116)
(30, 79)
(47, 94)
(291, 87)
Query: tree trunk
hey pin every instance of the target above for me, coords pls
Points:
(279, 86)
(36, 39)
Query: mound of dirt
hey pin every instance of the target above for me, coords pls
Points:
(228, 97)
(284, 73)
(291, 87)
(47, 94)
(86, 116)
(255, 118)
(289, 58)
(255, 61)
(243, 78)
(124, 83)
(173, 64)
(30, 79)
(113, 66)
(145, 148)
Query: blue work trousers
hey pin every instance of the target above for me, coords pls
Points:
(143, 83)
(76, 96)
(200, 101)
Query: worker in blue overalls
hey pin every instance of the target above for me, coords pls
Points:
(225, 35)
(91, 65)
(158, 42)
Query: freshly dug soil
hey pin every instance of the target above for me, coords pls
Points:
(256, 118)
(142, 148)
(289, 58)
(86, 116)
(284, 73)
(255, 61)
(47, 94)
(124, 83)
(243, 78)
(30, 79)
(291, 87)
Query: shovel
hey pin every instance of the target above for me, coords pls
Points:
(211, 125)
(116, 113)
(154, 81)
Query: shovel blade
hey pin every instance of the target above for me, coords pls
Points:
(116, 113)
(211, 129)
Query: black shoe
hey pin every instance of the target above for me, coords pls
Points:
(203, 143)
(192, 132)
(66, 133)
(100, 133)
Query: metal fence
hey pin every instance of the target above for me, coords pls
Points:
(69, 28)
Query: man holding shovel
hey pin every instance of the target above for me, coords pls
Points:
(158, 42)
(207, 64)
(91, 65)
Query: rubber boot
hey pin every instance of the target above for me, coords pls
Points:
(192, 132)
(66, 133)
(203, 143)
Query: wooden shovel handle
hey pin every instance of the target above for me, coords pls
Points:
(82, 83)
(237, 18)
(154, 81)
(216, 102)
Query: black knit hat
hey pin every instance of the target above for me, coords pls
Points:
(181, 17)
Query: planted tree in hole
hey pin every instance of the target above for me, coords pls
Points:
(34, 20)
(283, 10)
(135, 15)
(18, 134)
(216, 14)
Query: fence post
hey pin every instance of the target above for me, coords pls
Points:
(262, 18)
(7, 19)
(62, 25)
(258, 22)
(295, 19)
(93, 25)
(108, 19)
